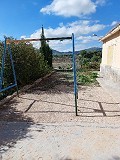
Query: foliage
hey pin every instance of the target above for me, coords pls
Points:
(47, 53)
(87, 77)
(83, 77)
(90, 60)
(1, 47)
(29, 64)
(46, 50)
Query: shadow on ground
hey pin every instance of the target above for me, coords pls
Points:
(13, 126)
(115, 158)
(57, 83)
(89, 110)
(105, 112)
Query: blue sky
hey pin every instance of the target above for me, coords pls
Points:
(24, 18)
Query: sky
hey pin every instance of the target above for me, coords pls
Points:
(60, 18)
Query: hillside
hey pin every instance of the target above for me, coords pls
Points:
(55, 52)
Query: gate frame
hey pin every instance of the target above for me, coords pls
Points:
(9, 41)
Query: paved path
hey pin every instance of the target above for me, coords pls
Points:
(73, 141)
(111, 87)
(41, 124)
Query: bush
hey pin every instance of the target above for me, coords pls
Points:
(87, 77)
(29, 64)
(90, 60)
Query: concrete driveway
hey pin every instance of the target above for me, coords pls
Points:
(41, 124)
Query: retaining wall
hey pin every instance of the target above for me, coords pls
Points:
(109, 72)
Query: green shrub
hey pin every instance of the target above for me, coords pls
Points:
(90, 60)
(93, 75)
(87, 77)
(29, 64)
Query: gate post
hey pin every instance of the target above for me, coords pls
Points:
(74, 74)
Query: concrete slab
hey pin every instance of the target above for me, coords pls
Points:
(41, 124)
(67, 141)
(111, 87)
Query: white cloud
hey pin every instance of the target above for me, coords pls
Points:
(23, 37)
(79, 28)
(88, 39)
(114, 23)
(68, 8)
(100, 2)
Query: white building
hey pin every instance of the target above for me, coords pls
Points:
(110, 65)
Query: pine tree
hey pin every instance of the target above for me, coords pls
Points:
(46, 50)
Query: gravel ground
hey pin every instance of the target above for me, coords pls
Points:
(41, 123)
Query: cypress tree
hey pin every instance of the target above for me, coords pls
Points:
(46, 50)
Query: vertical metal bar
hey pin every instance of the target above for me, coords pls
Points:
(3, 63)
(13, 69)
(74, 74)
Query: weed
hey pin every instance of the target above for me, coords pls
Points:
(87, 78)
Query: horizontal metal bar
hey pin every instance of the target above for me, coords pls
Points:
(8, 41)
(22, 40)
(57, 38)
(9, 87)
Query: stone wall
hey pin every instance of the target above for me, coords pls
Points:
(108, 72)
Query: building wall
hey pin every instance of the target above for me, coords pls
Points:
(110, 65)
